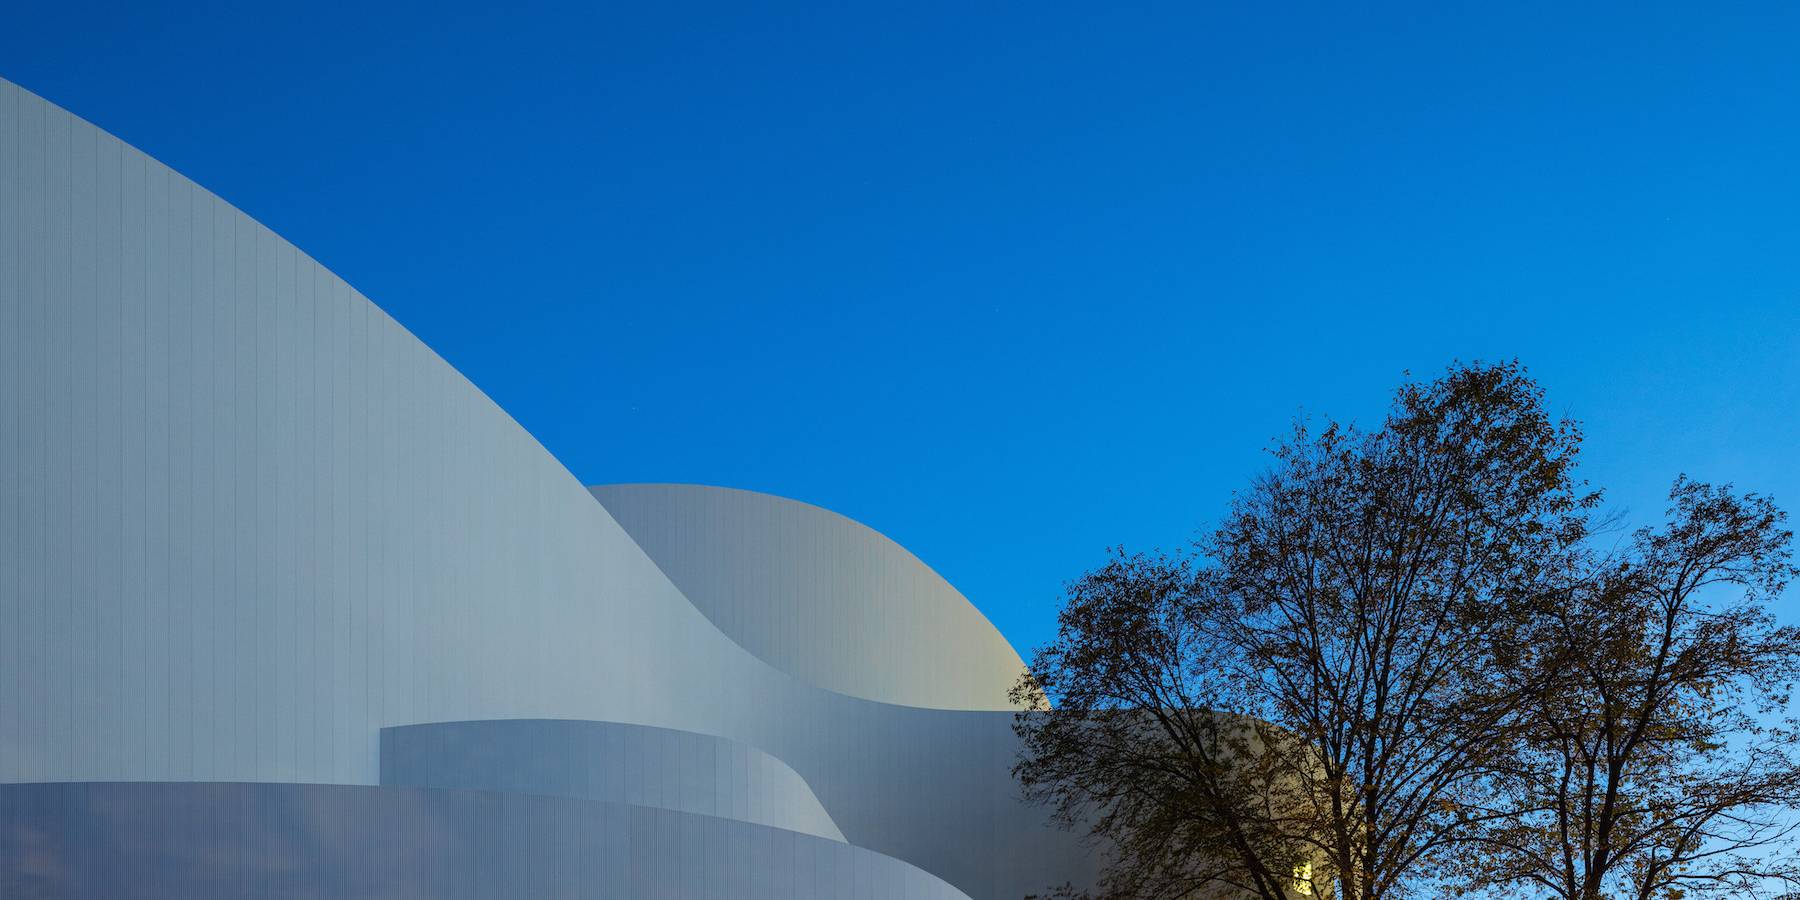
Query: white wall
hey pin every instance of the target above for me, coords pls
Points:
(247, 520)
(820, 596)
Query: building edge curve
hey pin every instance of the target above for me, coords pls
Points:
(819, 595)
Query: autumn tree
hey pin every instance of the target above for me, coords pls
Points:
(1658, 761)
(1311, 703)
(1135, 750)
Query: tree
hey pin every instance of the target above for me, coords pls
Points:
(1134, 749)
(1655, 764)
(1311, 702)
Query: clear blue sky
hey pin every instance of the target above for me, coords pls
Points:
(1012, 283)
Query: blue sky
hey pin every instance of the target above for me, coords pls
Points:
(1012, 283)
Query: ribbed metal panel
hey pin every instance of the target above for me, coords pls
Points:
(247, 521)
(610, 761)
(824, 597)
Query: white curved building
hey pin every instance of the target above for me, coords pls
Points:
(290, 608)
(824, 598)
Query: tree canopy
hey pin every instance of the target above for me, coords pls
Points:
(1405, 662)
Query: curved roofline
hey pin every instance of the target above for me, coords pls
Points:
(834, 513)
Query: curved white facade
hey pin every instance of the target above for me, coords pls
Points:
(610, 761)
(225, 840)
(247, 521)
(820, 596)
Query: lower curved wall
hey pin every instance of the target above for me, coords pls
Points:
(610, 761)
(118, 841)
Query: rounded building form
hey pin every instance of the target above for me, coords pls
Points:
(267, 561)
(825, 598)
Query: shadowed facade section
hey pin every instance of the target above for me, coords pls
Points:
(610, 761)
(157, 841)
